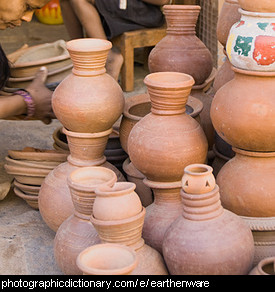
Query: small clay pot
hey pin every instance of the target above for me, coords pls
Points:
(264, 267)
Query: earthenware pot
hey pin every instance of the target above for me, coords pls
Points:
(89, 100)
(242, 111)
(258, 6)
(77, 233)
(246, 184)
(250, 44)
(166, 140)
(264, 267)
(229, 14)
(181, 50)
(192, 245)
(107, 259)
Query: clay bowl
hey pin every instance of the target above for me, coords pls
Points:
(27, 189)
(30, 199)
(30, 153)
(26, 175)
(31, 163)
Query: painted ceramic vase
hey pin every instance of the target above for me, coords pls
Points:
(89, 100)
(242, 111)
(192, 245)
(181, 50)
(107, 259)
(258, 6)
(264, 267)
(251, 41)
(228, 15)
(166, 140)
(77, 233)
(246, 184)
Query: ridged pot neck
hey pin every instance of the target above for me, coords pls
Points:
(181, 19)
(89, 56)
(168, 92)
(201, 207)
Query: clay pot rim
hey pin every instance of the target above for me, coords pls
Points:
(189, 169)
(254, 153)
(118, 189)
(86, 172)
(30, 163)
(169, 80)
(86, 135)
(162, 185)
(131, 219)
(256, 13)
(264, 262)
(97, 271)
(87, 45)
(176, 7)
(253, 73)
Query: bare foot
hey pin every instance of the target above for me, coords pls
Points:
(114, 63)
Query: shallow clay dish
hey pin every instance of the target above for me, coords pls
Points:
(31, 163)
(30, 199)
(27, 189)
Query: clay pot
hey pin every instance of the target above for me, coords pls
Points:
(192, 245)
(88, 94)
(258, 6)
(246, 183)
(107, 259)
(242, 111)
(181, 50)
(264, 267)
(251, 40)
(77, 233)
(157, 143)
(128, 232)
(219, 161)
(133, 175)
(110, 199)
(138, 106)
(228, 15)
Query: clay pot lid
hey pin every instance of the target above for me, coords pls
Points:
(31, 163)
(30, 153)
(87, 45)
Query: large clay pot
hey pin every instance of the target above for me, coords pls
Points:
(228, 15)
(207, 239)
(242, 111)
(107, 259)
(181, 50)
(246, 184)
(89, 100)
(258, 6)
(251, 41)
(77, 233)
(166, 140)
(265, 267)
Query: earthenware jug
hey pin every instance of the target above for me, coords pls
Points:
(207, 239)
(181, 50)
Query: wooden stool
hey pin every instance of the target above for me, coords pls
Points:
(130, 40)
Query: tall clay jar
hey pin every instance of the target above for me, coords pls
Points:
(207, 239)
(89, 99)
(181, 50)
(77, 233)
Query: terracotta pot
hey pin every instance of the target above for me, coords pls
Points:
(264, 267)
(128, 232)
(157, 143)
(250, 44)
(88, 94)
(181, 50)
(192, 245)
(228, 15)
(133, 175)
(219, 161)
(246, 184)
(245, 103)
(138, 106)
(110, 199)
(77, 233)
(258, 6)
(107, 259)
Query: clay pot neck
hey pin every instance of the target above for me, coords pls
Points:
(88, 56)
(168, 92)
(181, 19)
(200, 207)
(165, 193)
(253, 76)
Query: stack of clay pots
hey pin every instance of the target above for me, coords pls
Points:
(87, 103)
(29, 167)
(242, 113)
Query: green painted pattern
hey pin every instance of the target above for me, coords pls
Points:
(243, 45)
